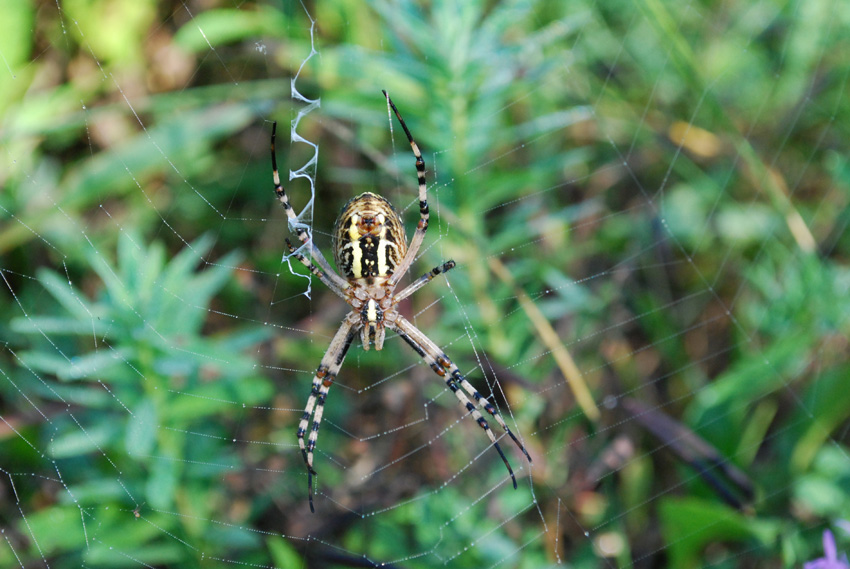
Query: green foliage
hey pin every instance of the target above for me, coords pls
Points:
(667, 183)
(689, 525)
(146, 376)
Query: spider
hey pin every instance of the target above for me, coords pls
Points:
(372, 253)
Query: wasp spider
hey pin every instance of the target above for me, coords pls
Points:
(372, 253)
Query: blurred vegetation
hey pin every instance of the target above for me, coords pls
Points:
(661, 187)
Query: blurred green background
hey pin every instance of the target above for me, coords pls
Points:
(648, 204)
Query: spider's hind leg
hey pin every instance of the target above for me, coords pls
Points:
(322, 381)
(440, 363)
(482, 402)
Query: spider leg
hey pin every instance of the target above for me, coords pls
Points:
(481, 401)
(440, 363)
(422, 226)
(423, 280)
(280, 192)
(322, 381)
(316, 271)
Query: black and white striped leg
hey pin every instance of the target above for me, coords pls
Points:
(442, 365)
(424, 214)
(423, 280)
(449, 366)
(322, 381)
(481, 400)
(316, 271)
(303, 236)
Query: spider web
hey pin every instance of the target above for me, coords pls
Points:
(651, 283)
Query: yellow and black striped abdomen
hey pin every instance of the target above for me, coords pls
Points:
(369, 239)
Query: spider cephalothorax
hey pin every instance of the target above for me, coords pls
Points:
(371, 251)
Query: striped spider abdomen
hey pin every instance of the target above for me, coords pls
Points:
(369, 240)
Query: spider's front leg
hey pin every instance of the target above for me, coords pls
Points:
(340, 292)
(322, 381)
(424, 213)
(330, 276)
(423, 280)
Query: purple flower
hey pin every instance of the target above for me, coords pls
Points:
(830, 559)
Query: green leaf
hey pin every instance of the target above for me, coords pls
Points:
(218, 398)
(69, 297)
(58, 326)
(119, 294)
(141, 430)
(174, 140)
(283, 554)
(113, 30)
(93, 364)
(139, 266)
(82, 439)
(162, 482)
(217, 27)
(689, 525)
(76, 367)
(16, 40)
(125, 541)
(58, 529)
(826, 406)
(754, 377)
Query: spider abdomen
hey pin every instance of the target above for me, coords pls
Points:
(369, 239)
